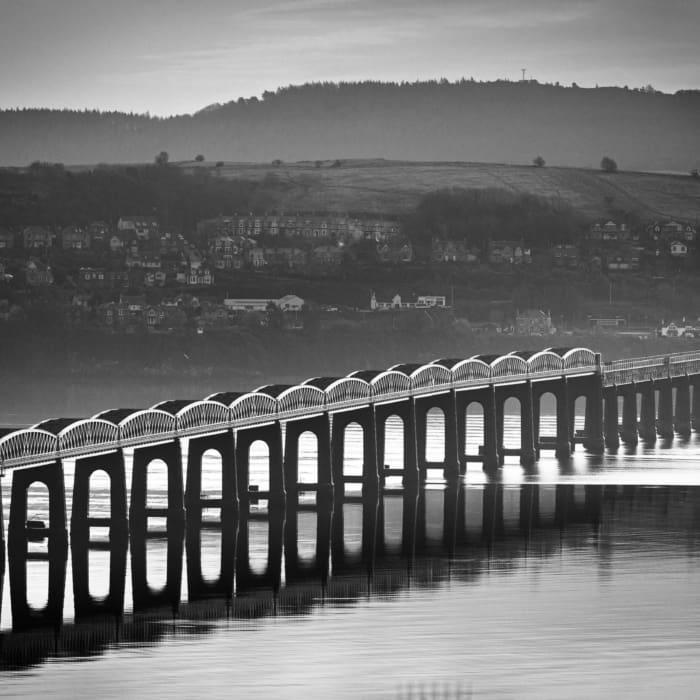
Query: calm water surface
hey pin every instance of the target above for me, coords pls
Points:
(581, 579)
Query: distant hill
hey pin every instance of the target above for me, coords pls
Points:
(393, 187)
(429, 121)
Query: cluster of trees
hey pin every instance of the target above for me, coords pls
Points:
(51, 195)
(477, 216)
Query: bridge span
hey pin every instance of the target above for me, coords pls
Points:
(230, 422)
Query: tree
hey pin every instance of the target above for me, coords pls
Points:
(162, 158)
(538, 162)
(199, 158)
(608, 165)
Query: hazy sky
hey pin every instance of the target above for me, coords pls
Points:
(174, 56)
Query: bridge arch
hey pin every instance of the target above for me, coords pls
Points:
(89, 432)
(342, 389)
(294, 397)
(384, 382)
(137, 424)
(29, 443)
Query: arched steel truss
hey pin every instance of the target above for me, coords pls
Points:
(169, 419)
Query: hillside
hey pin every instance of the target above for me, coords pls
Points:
(395, 187)
(429, 121)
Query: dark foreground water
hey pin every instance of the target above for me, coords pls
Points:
(577, 580)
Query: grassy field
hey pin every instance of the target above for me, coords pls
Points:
(395, 187)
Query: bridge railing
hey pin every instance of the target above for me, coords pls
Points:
(642, 369)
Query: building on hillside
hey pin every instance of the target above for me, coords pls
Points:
(93, 277)
(37, 273)
(623, 260)
(426, 301)
(534, 322)
(37, 237)
(200, 277)
(327, 255)
(566, 256)
(453, 251)
(508, 252)
(74, 238)
(7, 239)
(678, 249)
(289, 302)
(143, 227)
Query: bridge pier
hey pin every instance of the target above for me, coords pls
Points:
(19, 536)
(628, 431)
(594, 432)
(81, 544)
(195, 505)
(563, 448)
(681, 418)
(647, 414)
(320, 427)
(695, 411)
(271, 435)
(406, 411)
(365, 418)
(664, 422)
(447, 403)
(611, 426)
(492, 460)
(174, 513)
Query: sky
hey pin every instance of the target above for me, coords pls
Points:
(176, 56)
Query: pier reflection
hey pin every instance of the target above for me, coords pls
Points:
(287, 560)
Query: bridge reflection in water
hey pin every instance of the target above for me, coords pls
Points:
(361, 546)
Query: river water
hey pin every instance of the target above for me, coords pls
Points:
(578, 579)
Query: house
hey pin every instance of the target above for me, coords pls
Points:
(395, 252)
(118, 279)
(534, 322)
(678, 330)
(623, 260)
(425, 302)
(452, 251)
(289, 302)
(327, 255)
(93, 277)
(422, 302)
(116, 243)
(256, 258)
(565, 256)
(135, 306)
(99, 233)
(37, 273)
(73, 238)
(200, 277)
(143, 227)
(508, 252)
(288, 258)
(37, 237)
(7, 239)
(154, 278)
(609, 231)
(678, 249)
